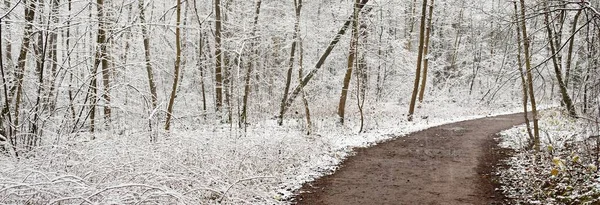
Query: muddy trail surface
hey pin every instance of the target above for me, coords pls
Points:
(448, 164)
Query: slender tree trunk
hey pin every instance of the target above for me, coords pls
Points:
(411, 109)
(103, 55)
(304, 100)
(177, 64)
(146, 41)
(411, 26)
(526, 41)
(22, 59)
(521, 74)
(570, 49)
(566, 99)
(244, 115)
(288, 79)
(5, 127)
(218, 57)
(7, 23)
(350, 63)
(425, 52)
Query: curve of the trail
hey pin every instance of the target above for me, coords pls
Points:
(448, 164)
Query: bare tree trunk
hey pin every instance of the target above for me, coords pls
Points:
(361, 76)
(103, 55)
(22, 59)
(570, 49)
(149, 70)
(244, 115)
(566, 99)
(218, 57)
(411, 25)
(5, 127)
(8, 36)
(536, 131)
(350, 63)
(411, 109)
(304, 100)
(288, 79)
(322, 59)
(177, 64)
(425, 52)
(521, 74)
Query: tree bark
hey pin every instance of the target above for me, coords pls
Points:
(244, 115)
(22, 59)
(570, 49)
(350, 63)
(103, 55)
(425, 52)
(521, 73)
(526, 44)
(146, 42)
(218, 58)
(177, 65)
(411, 109)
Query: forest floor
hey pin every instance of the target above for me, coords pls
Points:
(447, 164)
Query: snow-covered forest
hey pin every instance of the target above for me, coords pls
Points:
(243, 101)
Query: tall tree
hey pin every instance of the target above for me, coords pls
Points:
(244, 115)
(426, 52)
(177, 67)
(521, 72)
(146, 42)
(102, 57)
(30, 8)
(218, 58)
(566, 99)
(570, 49)
(350, 63)
(288, 78)
(411, 109)
(526, 47)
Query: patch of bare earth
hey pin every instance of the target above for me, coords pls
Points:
(448, 164)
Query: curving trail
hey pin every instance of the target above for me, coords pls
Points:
(448, 164)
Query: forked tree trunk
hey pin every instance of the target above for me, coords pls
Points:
(413, 99)
(425, 52)
(177, 64)
(244, 115)
(526, 45)
(288, 79)
(350, 63)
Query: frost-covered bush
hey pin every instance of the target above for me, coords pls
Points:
(564, 172)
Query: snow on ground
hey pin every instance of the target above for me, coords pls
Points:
(565, 171)
(211, 164)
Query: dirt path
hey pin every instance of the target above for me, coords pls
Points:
(448, 164)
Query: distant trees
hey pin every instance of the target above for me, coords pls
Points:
(55, 53)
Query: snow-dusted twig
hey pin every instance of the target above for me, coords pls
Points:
(241, 180)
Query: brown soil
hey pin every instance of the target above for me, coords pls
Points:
(448, 164)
